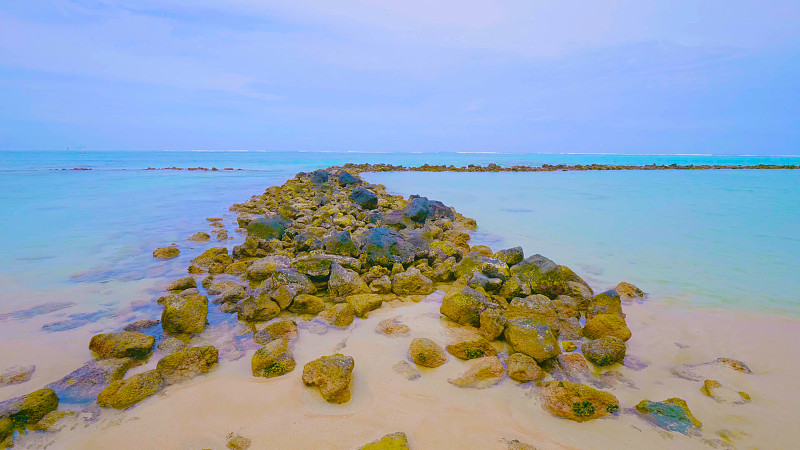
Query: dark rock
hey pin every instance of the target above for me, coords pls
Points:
(418, 209)
(346, 178)
(385, 247)
(29, 409)
(272, 227)
(364, 198)
(319, 176)
(604, 351)
(340, 243)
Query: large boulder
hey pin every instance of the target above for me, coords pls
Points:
(481, 373)
(125, 393)
(344, 282)
(608, 302)
(332, 375)
(537, 307)
(185, 315)
(29, 409)
(411, 282)
(271, 227)
(542, 275)
(532, 338)
(604, 351)
(187, 363)
(123, 344)
(603, 325)
(273, 360)
(464, 306)
(346, 178)
(672, 414)
(576, 401)
(385, 247)
(418, 209)
(493, 323)
(427, 353)
(83, 384)
(364, 198)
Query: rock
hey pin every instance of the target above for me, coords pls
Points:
(83, 384)
(568, 366)
(723, 394)
(733, 364)
(383, 246)
(166, 252)
(482, 373)
(604, 351)
(479, 280)
(339, 315)
(271, 227)
(31, 408)
(411, 282)
(576, 401)
(171, 344)
(221, 235)
(277, 329)
(568, 346)
(263, 268)
(483, 250)
(672, 414)
(307, 304)
(628, 292)
(603, 325)
(232, 295)
(340, 243)
(537, 307)
(532, 338)
(604, 304)
(182, 284)
(364, 303)
(381, 285)
(492, 324)
(257, 309)
(344, 282)
(569, 328)
(222, 286)
(394, 441)
(273, 360)
(237, 442)
(364, 198)
(418, 209)
(346, 178)
(213, 256)
(491, 267)
(318, 267)
(16, 375)
(199, 237)
(510, 256)
(464, 306)
(123, 344)
(426, 353)
(50, 421)
(523, 368)
(187, 363)
(514, 287)
(6, 431)
(142, 325)
(185, 315)
(332, 375)
(517, 445)
(392, 327)
(125, 393)
(407, 370)
(545, 277)
(443, 250)
(319, 176)
(471, 347)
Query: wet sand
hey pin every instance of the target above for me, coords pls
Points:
(283, 413)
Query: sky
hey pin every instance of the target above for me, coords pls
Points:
(637, 77)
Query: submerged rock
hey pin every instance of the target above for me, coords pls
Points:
(31, 408)
(576, 401)
(426, 353)
(125, 393)
(187, 363)
(724, 394)
(166, 252)
(332, 375)
(237, 442)
(16, 375)
(523, 368)
(182, 284)
(273, 360)
(672, 414)
(83, 384)
(407, 370)
(482, 373)
(532, 338)
(604, 351)
(185, 315)
(122, 344)
(394, 441)
(199, 237)
(142, 325)
(392, 327)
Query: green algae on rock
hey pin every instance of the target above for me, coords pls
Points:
(332, 375)
(125, 393)
(394, 441)
(604, 351)
(471, 347)
(339, 315)
(166, 252)
(187, 363)
(672, 414)
(122, 344)
(185, 314)
(576, 401)
(481, 373)
(426, 353)
(273, 360)
(603, 325)
(29, 409)
(532, 338)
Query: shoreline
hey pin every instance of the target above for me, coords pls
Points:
(159, 407)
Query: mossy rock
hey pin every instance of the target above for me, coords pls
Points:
(576, 401)
(426, 353)
(257, 309)
(481, 373)
(464, 306)
(394, 441)
(271, 227)
(277, 329)
(125, 393)
(83, 384)
(604, 351)
(672, 414)
(187, 363)
(531, 337)
(199, 237)
(510, 256)
(339, 315)
(364, 303)
(411, 282)
(523, 368)
(182, 284)
(471, 348)
(543, 276)
(6, 429)
(604, 304)
(166, 252)
(332, 375)
(29, 409)
(307, 304)
(273, 360)
(185, 314)
(213, 255)
(122, 344)
(602, 325)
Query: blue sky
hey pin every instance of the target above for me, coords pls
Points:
(514, 76)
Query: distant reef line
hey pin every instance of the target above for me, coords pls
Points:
(361, 168)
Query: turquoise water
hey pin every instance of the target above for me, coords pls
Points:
(725, 238)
